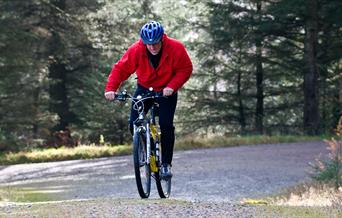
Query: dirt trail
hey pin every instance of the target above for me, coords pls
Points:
(219, 175)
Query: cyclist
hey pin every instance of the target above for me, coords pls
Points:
(162, 63)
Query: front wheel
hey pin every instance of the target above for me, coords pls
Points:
(141, 168)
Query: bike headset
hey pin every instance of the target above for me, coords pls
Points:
(152, 32)
(138, 102)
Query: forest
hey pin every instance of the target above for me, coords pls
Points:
(262, 67)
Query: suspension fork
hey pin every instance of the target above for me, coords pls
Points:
(142, 130)
(148, 143)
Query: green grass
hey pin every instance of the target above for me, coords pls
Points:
(14, 194)
(92, 151)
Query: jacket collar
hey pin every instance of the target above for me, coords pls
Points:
(165, 46)
(165, 41)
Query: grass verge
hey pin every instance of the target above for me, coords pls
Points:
(221, 141)
(14, 194)
(92, 151)
(310, 194)
(311, 199)
(60, 154)
(298, 212)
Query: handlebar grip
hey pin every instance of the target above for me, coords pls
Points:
(153, 94)
(159, 94)
(120, 97)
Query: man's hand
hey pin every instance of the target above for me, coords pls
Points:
(110, 95)
(167, 91)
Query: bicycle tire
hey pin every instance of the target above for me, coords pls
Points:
(163, 186)
(141, 168)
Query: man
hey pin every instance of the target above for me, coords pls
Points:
(162, 63)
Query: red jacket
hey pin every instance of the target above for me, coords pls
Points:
(173, 71)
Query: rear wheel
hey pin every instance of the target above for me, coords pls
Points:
(141, 168)
(163, 186)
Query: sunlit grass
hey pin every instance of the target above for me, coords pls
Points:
(14, 194)
(52, 154)
(310, 199)
(298, 212)
(221, 141)
(309, 194)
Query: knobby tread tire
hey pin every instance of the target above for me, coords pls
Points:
(144, 188)
(164, 190)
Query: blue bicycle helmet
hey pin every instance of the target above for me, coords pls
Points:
(152, 32)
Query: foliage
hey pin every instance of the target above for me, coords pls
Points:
(251, 69)
(23, 83)
(249, 61)
(330, 169)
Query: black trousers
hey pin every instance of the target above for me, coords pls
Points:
(167, 108)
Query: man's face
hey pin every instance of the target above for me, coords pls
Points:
(154, 48)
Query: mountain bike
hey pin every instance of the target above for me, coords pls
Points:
(147, 156)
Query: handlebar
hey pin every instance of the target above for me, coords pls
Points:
(123, 96)
(138, 102)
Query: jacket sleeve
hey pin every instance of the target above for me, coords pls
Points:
(182, 69)
(122, 70)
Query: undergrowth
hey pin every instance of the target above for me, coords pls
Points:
(329, 169)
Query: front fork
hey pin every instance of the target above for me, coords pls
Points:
(142, 130)
(148, 143)
(156, 156)
(151, 159)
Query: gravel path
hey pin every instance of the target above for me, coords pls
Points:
(206, 178)
(130, 208)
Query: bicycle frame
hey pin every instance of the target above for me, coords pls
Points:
(156, 137)
(146, 127)
(149, 125)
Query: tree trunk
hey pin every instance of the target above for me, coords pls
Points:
(259, 112)
(242, 119)
(58, 93)
(58, 75)
(311, 101)
(35, 124)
